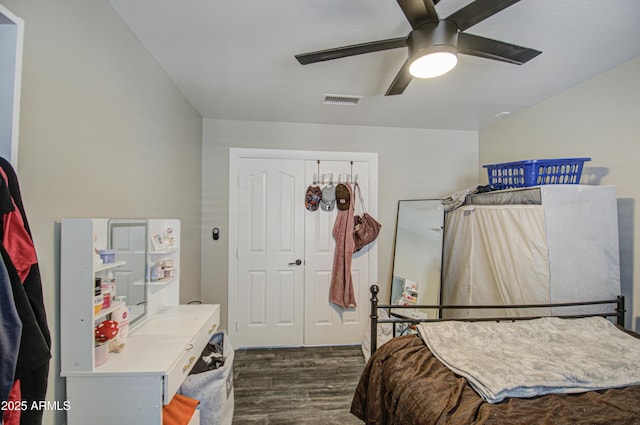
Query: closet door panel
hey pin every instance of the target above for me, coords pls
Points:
(326, 323)
(270, 240)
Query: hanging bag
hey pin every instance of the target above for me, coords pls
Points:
(366, 228)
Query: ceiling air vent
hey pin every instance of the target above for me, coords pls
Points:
(340, 99)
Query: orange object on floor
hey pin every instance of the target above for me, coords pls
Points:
(179, 411)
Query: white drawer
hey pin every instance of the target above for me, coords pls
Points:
(200, 341)
(178, 372)
(181, 368)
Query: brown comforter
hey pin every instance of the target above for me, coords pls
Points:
(403, 383)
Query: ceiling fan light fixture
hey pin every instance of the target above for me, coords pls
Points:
(434, 63)
(433, 43)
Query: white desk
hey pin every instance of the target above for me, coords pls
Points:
(137, 382)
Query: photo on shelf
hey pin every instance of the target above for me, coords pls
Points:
(169, 239)
(158, 242)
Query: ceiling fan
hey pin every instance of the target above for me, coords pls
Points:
(434, 41)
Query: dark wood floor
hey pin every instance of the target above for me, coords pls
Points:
(296, 385)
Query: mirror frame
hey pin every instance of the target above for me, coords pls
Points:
(439, 259)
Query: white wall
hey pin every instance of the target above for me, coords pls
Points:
(103, 132)
(599, 119)
(413, 164)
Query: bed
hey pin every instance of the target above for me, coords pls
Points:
(404, 382)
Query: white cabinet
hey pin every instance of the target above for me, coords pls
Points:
(161, 348)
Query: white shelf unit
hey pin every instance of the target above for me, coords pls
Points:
(160, 350)
(154, 256)
(164, 291)
(78, 241)
(107, 311)
(106, 266)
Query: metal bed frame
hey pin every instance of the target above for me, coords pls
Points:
(618, 312)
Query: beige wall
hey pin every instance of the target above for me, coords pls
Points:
(103, 132)
(599, 119)
(412, 164)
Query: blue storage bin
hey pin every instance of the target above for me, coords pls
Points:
(535, 172)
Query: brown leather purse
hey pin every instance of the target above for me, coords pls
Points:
(366, 228)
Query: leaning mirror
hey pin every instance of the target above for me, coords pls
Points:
(417, 260)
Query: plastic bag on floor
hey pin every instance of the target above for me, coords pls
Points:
(212, 357)
(211, 382)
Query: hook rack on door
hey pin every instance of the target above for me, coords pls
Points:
(321, 179)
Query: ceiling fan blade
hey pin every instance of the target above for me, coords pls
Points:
(419, 12)
(402, 80)
(478, 11)
(352, 50)
(474, 45)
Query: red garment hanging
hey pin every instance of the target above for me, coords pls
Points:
(16, 240)
(12, 416)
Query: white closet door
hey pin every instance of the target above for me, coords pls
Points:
(326, 323)
(270, 291)
(271, 301)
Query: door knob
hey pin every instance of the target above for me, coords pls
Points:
(297, 262)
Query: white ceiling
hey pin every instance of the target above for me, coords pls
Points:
(234, 59)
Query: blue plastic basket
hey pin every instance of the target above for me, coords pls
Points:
(535, 172)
